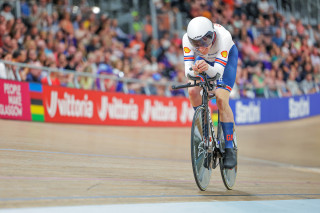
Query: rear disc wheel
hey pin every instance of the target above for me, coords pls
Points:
(228, 175)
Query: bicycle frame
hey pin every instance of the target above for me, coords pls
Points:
(206, 86)
(213, 146)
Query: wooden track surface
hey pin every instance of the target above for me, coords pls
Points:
(44, 164)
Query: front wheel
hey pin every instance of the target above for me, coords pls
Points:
(228, 175)
(201, 159)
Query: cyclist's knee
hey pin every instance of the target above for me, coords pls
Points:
(222, 103)
(193, 92)
(222, 99)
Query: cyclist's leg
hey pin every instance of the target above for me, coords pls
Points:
(226, 116)
(225, 112)
(194, 96)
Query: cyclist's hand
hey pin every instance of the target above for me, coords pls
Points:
(195, 69)
(200, 66)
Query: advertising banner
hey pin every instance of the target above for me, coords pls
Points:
(14, 100)
(36, 102)
(93, 107)
(254, 111)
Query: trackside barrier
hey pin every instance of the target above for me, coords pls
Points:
(36, 102)
(256, 111)
(14, 100)
(66, 105)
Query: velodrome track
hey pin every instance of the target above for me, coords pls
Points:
(44, 164)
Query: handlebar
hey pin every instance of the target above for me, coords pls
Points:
(195, 78)
(181, 86)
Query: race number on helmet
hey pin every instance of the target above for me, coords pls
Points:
(200, 32)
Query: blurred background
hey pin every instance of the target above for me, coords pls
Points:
(134, 46)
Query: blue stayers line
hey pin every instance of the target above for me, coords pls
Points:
(148, 196)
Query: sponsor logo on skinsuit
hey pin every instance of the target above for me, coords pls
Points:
(186, 50)
(224, 54)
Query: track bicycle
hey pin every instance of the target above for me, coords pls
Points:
(207, 148)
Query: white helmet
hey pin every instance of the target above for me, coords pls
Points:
(200, 32)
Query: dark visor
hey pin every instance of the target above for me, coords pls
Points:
(205, 41)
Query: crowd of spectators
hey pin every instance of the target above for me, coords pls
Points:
(278, 57)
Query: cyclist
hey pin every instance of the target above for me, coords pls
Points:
(208, 48)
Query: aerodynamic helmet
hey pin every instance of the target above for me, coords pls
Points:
(200, 32)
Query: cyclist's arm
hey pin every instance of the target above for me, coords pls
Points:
(188, 56)
(225, 43)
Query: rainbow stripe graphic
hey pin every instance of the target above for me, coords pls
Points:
(214, 111)
(36, 108)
